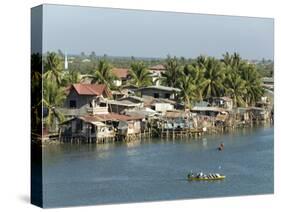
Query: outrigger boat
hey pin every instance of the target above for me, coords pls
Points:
(201, 176)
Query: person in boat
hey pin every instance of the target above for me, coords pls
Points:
(200, 175)
(221, 147)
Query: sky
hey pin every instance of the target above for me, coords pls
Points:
(138, 33)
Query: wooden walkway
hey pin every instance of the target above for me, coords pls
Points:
(181, 133)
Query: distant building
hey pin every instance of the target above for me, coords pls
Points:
(122, 74)
(86, 60)
(268, 83)
(156, 73)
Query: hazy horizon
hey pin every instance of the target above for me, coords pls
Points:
(150, 34)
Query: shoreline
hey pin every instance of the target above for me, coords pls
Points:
(215, 131)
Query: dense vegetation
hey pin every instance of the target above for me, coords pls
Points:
(198, 79)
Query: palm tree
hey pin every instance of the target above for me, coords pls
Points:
(36, 94)
(173, 72)
(214, 74)
(188, 90)
(196, 73)
(103, 74)
(227, 59)
(201, 61)
(71, 77)
(140, 75)
(53, 68)
(53, 97)
(233, 62)
(252, 84)
(235, 88)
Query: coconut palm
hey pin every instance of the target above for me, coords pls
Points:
(253, 85)
(201, 61)
(235, 88)
(53, 68)
(140, 76)
(173, 72)
(71, 77)
(233, 62)
(36, 95)
(214, 74)
(187, 90)
(196, 73)
(103, 74)
(53, 97)
(36, 76)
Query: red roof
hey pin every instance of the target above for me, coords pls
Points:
(120, 72)
(113, 116)
(90, 89)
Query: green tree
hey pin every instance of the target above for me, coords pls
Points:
(103, 74)
(53, 68)
(140, 76)
(196, 74)
(253, 84)
(214, 74)
(53, 97)
(172, 73)
(235, 88)
(71, 77)
(187, 90)
(36, 92)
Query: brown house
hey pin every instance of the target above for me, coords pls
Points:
(100, 127)
(85, 95)
(122, 74)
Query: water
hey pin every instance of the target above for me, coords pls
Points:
(156, 169)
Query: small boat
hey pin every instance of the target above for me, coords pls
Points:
(201, 176)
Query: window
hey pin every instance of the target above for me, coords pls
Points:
(167, 95)
(72, 104)
(156, 95)
(102, 104)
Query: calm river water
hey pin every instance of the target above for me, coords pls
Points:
(156, 169)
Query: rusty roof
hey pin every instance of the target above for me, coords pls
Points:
(176, 113)
(120, 72)
(90, 89)
(110, 117)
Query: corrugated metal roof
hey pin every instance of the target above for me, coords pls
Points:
(216, 109)
(105, 117)
(160, 87)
